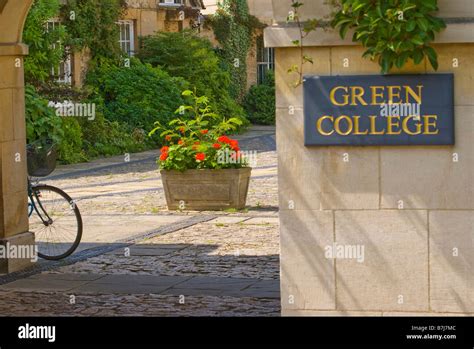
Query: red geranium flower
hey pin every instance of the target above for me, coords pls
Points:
(200, 157)
(168, 138)
(217, 146)
(164, 156)
(182, 129)
(204, 132)
(234, 145)
(181, 142)
(197, 143)
(165, 149)
(224, 139)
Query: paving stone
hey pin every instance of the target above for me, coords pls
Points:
(66, 277)
(194, 292)
(165, 281)
(263, 220)
(150, 250)
(43, 285)
(213, 283)
(228, 220)
(227, 261)
(119, 288)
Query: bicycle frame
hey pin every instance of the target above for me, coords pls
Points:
(33, 206)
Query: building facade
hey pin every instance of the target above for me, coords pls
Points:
(146, 17)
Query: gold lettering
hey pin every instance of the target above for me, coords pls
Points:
(349, 123)
(345, 96)
(356, 127)
(358, 93)
(407, 130)
(392, 93)
(373, 126)
(410, 92)
(376, 95)
(319, 125)
(391, 124)
(429, 123)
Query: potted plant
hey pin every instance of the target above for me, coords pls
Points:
(201, 167)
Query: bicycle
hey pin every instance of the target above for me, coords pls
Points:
(53, 215)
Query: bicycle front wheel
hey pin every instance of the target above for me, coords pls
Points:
(56, 222)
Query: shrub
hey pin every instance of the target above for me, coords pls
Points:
(193, 58)
(260, 102)
(71, 148)
(136, 96)
(41, 120)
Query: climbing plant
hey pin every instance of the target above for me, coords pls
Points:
(93, 24)
(45, 51)
(304, 29)
(393, 31)
(234, 27)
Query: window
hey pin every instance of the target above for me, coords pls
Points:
(265, 60)
(63, 72)
(171, 2)
(127, 37)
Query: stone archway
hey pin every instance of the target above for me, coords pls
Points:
(13, 174)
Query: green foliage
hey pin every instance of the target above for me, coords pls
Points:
(41, 120)
(93, 24)
(393, 31)
(102, 137)
(195, 139)
(233, 27)
(42, 123)
(260, 102)
(70, 149)
(188, 56)
(45, 52)
(136, 96)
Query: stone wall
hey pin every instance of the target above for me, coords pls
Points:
(411, 207)
(13, 179)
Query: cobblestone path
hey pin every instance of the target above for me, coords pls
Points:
(137, 258)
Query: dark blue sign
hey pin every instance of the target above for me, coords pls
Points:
(379, 110)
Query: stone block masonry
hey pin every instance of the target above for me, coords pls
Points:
(411, 208)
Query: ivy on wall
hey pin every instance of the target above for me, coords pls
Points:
(45, 52)
(93, 24)
(234, 27)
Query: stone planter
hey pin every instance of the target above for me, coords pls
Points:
(206, 189)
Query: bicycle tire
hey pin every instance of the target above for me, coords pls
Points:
(44, 188)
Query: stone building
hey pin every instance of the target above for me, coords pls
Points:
(142, 17)
(411, 206)
(145, 17)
